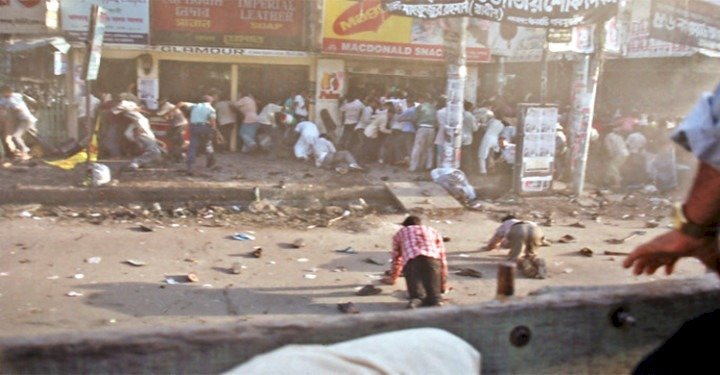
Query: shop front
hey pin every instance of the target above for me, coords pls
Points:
(179, 50)
(380, 53)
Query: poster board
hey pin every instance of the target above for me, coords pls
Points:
(535, 155)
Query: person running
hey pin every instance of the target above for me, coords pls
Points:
(202, 130)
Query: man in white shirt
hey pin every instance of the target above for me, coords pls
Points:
(309, 134)
(350, 112)
(617, 153)
(250, 124)
(300, 106)
(490, 143)
(19, 113)
(469, 127)
(326, 156)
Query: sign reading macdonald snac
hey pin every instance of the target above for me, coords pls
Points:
(362, 27)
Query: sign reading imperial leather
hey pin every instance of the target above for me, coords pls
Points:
(363, 27)
(691, 23)
(531, 13)
(229, 23)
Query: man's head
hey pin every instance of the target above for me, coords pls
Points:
(411, 220)
(207, 99)
(325, 136)
(6, 91)
(508, 217)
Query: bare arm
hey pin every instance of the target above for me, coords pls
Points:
(701, 207)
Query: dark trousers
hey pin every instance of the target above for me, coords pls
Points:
(423, 276)
(357, 142)
(688, 351)
(200, 134)
(348, 137)
(176, 140)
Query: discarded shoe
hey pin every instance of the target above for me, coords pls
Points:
(469, 272)
(414, 303)
(369, 290)
(586, 251)
(348, 308)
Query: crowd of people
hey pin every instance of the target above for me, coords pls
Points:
(395, 127)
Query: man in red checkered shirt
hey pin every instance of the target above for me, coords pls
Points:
(419, 252)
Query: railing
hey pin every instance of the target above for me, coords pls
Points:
(557, 330)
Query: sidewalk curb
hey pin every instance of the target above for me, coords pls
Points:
(49, 195)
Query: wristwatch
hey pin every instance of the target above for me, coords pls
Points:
(685, 226)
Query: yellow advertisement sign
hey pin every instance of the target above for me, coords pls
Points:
(362, 27)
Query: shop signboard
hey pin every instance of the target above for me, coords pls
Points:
(23, 16)
(364, 28)
(691, 23)
(640, 43)
(277, 24)
(562, 14)
(128, 21)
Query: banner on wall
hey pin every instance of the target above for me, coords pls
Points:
(364, 28)
(522, 13)
(330, 86)
(277, 24)
(128, 21)
(535, 152)
(690, 23)
(640, 43)
(23, 16)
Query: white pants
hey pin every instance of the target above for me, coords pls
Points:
(487, 145)
(303, 146)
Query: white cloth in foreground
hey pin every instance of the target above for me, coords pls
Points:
(412, 351)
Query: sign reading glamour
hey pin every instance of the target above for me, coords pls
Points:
(532, 13)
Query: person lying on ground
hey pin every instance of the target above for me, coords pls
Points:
(521, 237)
(419, 253)
(326, 156)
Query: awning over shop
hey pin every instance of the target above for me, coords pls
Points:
(20, 45)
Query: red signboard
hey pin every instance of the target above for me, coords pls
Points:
(277, 24)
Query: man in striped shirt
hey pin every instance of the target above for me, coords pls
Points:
(419, 253)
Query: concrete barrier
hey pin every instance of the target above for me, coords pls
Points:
(567, 330)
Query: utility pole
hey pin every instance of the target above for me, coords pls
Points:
(455, 57)
(587, 73)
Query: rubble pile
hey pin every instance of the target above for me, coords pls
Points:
(305, 215)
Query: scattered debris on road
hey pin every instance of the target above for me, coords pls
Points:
(586, 251)
(243, 237)
(93, 260)
(373, 261)
(348, 308)
(566, 239)
(615, 253)
(257, 252)
(135, 263)
(298, 243)
(347, 250)
(369, 290)
(618, 241)
(469, 272)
